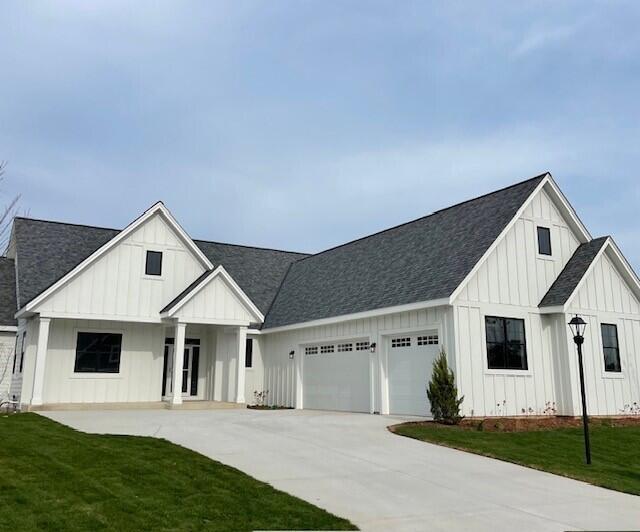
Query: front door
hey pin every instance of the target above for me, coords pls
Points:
(190, 365)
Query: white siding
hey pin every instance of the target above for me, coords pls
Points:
(515, 274)
(605, 290)
(254, 377)
(7, 343)
(511, 283)
(280, 371)
(604, 297)
(215, 301)
(506, 392)
(116, 285)
(141, 362)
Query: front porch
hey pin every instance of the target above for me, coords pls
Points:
(206, 363)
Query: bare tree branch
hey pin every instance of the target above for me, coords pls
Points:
(8, 213)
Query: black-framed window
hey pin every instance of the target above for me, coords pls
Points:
(153, 265)
(98, 352)
(248, 354)
(15, 354)
(610, 347)
(544, 241)
(22, 348)
(506, 343)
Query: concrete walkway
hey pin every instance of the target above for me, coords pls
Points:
(352, 466)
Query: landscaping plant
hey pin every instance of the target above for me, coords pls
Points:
(443, 394)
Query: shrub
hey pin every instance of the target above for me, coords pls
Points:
(443, 394)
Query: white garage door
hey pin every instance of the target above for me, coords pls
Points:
(336, 376)
(410, 364)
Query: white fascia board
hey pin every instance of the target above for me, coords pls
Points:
(620, 262)
(156, 208)
(586, 274)
(568, 209)
(96, 317)
(497, 241)
(218, 272)
(561, 202)
(558, 309)
(8, 328)
(359, 315)
(183, 235)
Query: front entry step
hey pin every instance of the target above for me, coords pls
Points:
(205, 405)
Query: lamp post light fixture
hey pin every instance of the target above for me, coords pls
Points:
(578, 326)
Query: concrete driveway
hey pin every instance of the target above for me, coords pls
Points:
(352, 466)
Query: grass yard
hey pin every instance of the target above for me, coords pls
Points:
(55, 478)
(615, 450)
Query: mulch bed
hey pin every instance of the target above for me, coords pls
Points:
(529, 423)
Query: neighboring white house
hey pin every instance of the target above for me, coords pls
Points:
(146, 314)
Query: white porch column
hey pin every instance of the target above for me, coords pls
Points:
(41, 359)
(240, 367)
(178, 362)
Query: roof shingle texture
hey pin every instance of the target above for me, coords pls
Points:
(574, 270)
(7, 292)
(418, 261)
(47, 251)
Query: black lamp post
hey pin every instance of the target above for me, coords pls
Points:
(578, 325)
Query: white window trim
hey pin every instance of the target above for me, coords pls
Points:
(615, 375)
(527, 336)
(145, 275)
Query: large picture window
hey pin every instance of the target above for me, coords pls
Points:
(98, 352)
(506, 343)
(610, 347)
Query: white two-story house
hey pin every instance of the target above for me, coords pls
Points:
(147, 315)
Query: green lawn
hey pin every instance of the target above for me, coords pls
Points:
(615, 450)
(55, 478)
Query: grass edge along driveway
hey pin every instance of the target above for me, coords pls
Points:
(615, 450)
(56, 478)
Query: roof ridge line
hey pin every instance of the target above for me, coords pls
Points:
(66, 223)
(426, 216)
(251, 247)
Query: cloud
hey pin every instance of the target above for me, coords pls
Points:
(540, 38)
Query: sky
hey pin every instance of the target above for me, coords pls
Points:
(301, 125)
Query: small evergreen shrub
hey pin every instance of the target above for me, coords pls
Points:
(443, 394)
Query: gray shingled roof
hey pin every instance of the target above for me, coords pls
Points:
(7, 292)
(258, 271)
(418, 261)
(574, 270)
(47, 251)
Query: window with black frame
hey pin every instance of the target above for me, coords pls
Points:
(98, 352)
(544, 241)
(610, 347)
(506, 343)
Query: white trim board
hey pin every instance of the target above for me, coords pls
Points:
(360, 315)
(218, 272)
(157, 208)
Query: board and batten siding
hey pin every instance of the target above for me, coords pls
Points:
(214, 301)
(514, 273)
(116, 285)
(604, 297)
(280, 370)
(510, 283)
(7, 344)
